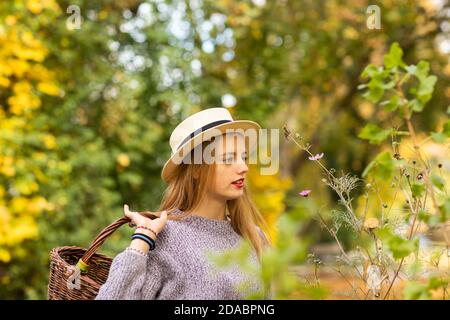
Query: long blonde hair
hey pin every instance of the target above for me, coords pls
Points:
(187, 186)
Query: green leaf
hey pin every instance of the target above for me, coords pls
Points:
(438, 181)
(435, 283)
(374, 94)
(423, 67)
(416, 105)
(426, 89)
(402, 247)
(370, 71)
(392, 104)
(399, 246)
(438, 137)
(446, 129)
(375, 87)
(374, 134)
(382, 166)
(445, 210)
(416, 291)
(420, 71)
(417, 190)
(423, 216)
(394, 57)
(441, 137)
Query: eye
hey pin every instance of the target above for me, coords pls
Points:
(229, 159)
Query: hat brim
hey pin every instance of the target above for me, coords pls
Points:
(189, 145)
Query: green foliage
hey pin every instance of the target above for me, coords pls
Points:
(390, 78)
(382, 166)
(422, 291)
(445, 211)
(441, 137)
(276, 261)
(374, 134)
(399, 246)
(417, 190)
(438, 182)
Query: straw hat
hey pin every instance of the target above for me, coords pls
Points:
(200, 127)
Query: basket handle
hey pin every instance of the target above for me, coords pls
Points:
(83, 263)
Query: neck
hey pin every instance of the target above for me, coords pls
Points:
(211, 208)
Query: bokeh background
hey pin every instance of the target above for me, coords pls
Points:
(90, 91)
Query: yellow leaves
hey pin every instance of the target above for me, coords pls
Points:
(23, 98)
(37, 6)
(19, 50)
(4, 82)
(18, 223)
(37, 204)
(5, 68)
(49, 141)
(24, 227)
(4, 216)
(10, 20)
(25, 186)
(123, 160)
(23, 79)
(269, 193)
(6, 167)
(14, 230)
(18, 204)
(34, 6)
(39, 72)
(29, 41)
(5, 256)
(102, 15)
(7, 171)
(24, 53)
(21, 102)
(18, 67)
(22, 87)
(350, 33)
(48, 88)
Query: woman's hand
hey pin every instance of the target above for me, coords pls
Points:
(137, 219)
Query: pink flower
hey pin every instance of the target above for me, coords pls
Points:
(316, 157)
(304, 193)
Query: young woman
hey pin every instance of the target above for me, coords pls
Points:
(206, 208)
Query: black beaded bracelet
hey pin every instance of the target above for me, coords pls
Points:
(146, 238)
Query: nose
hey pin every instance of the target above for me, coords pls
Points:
(242, 167)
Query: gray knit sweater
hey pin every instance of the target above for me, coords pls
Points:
(178, 268)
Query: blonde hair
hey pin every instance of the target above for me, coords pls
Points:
(187, 186)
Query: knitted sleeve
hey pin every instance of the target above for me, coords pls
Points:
(131, 273)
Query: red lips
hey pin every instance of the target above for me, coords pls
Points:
(239, 183)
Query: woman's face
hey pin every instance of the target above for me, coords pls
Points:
(231, 167)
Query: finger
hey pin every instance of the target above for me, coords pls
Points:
(163, 215)
(128, 213)
(125, 210)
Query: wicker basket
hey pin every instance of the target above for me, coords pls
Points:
(93, 267)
